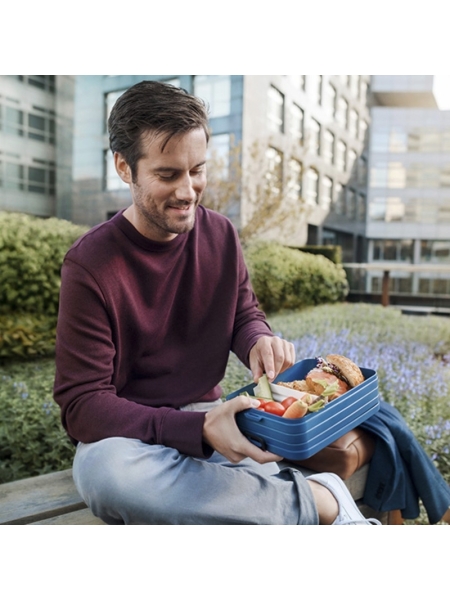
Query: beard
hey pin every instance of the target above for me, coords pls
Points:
(164, 219)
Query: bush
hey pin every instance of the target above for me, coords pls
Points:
(333, 253)
(284, 278)
(27, 336)
(32, 439)
(31, 255)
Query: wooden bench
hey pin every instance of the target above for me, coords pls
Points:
(44, 500)
(53, 500)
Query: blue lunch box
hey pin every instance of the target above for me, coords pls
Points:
(299, 439)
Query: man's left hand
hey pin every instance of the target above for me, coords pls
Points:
(271, 355)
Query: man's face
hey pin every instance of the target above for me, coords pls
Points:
(168, 186)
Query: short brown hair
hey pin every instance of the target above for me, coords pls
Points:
(157, 107)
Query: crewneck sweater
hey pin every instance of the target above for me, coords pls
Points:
(145, 328)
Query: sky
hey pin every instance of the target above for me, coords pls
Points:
(441, 89)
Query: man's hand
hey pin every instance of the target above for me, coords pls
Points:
(271, 355)
(221, 432)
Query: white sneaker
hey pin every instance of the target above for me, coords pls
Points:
(349, 514)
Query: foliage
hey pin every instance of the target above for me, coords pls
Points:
(333, 253)
(32, 440)
(284, 278)
(27, 335)
(411, 355)
(31, 255)
(252, 188)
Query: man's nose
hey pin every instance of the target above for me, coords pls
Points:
(185, 189)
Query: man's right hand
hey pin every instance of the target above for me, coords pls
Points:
(222, 433)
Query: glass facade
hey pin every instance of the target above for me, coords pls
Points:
(215, 90)
(275, 110)
(408, 219)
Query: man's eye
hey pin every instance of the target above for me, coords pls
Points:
(167, 177)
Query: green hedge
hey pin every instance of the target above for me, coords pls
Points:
(284, 278)
(32, 439)
(27, 336)
(31, 255)
(333, 253)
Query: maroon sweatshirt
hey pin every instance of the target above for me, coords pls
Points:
(146, 327)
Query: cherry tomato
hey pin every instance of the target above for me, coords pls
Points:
(288, 401)
(274, 408)
(262, 404)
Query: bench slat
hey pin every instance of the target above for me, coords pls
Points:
(79, 517)
(36, 498)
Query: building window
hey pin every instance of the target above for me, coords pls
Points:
(362, 130)
(362, 171)
(363, 89)
(388, 209)
(219, 153)
(339, 199)
(351, 204)
(341, 156)
(326, 195)
(393, 250)
(14, 176)
(275, 113)
(215, 90)
(297, 119)
(317, 89)
(294, 180)
(43, 82)
(328, 147)
(435, 251)
(351, 166)
(329, 99)
(353, 119)
(112, 181)
(361, 208)
(274, 173)
(13, 121)
(312, 186)
(39, 180)
(315, 137)
(341, 112)
(40, 127)
(110, 100)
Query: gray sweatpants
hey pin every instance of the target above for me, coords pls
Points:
(125, 481)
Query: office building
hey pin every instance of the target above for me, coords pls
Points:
(408, 197)
(36, 134)
(313, 128)
(366, 158)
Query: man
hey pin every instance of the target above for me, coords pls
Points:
(152, 302)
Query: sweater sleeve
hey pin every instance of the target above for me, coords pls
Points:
(86, 379)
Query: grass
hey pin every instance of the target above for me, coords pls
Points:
(411, 355)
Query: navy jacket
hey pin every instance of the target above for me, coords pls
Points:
(401, 472)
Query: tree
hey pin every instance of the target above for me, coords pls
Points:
(259, 190)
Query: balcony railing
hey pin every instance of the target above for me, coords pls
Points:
(422, 284)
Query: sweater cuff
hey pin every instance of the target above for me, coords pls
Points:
(185, 433)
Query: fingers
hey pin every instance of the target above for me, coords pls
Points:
(271, 355)
(222, 433)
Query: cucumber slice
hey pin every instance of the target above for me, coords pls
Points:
(263, 388)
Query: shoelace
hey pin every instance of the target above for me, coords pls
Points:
(371, 520)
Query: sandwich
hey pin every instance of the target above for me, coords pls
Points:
(333, 376)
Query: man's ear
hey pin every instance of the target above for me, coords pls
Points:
(122, 168)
